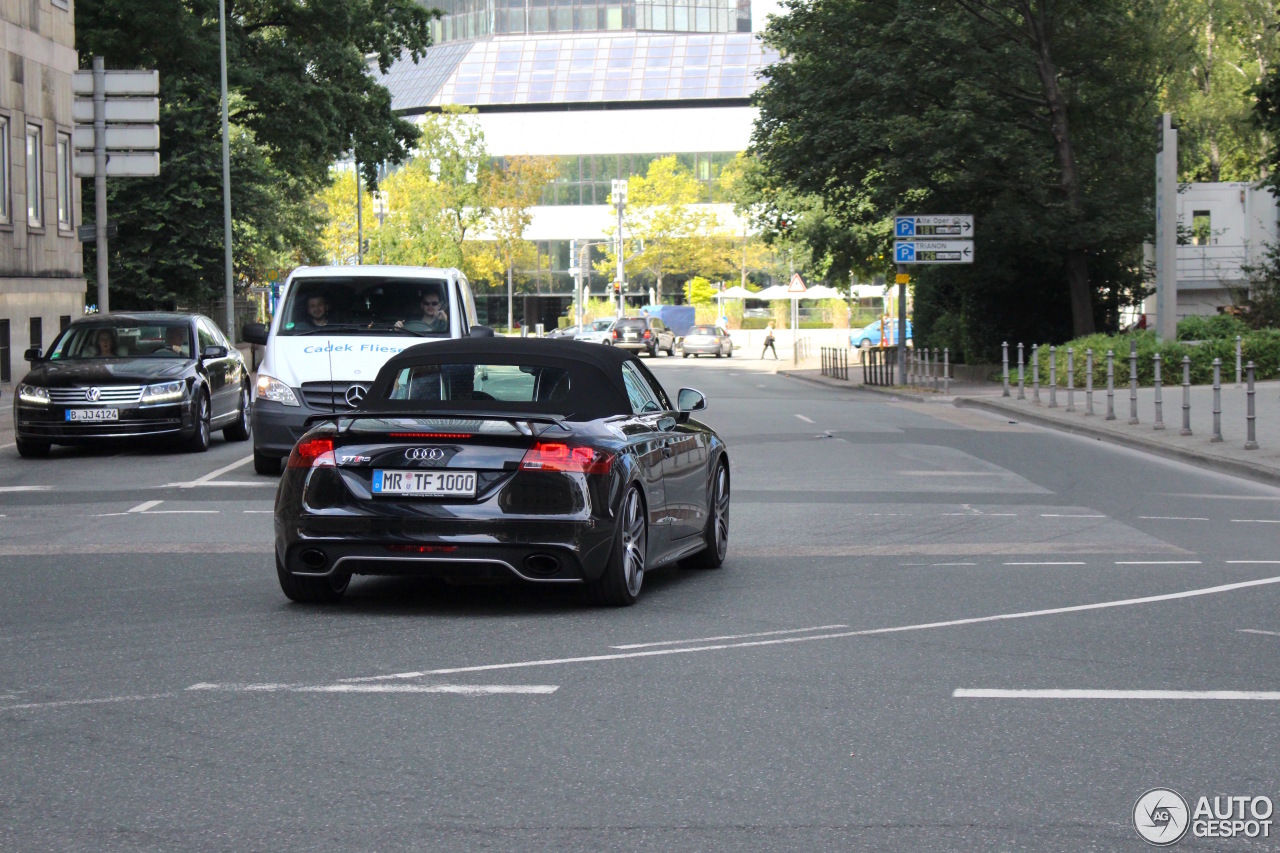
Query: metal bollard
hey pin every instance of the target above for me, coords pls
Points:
(1035, 373)
(1238, 350)
(1186, 396)
(1004, 358)
(1088, 382)
(1111, 385)
(933, 369)
(1251, 435)
(1159, 424)
(946, 370)
(1071, 379)
(1022, 389)
(1053, 377)
(1133, 381)
(1217, 400)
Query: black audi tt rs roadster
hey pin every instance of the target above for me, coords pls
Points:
(539, 461)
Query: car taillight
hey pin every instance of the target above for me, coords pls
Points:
(557, 456)
(615, 334)
(646, 334)
(312, 453)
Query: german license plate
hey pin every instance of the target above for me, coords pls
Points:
(453, 484)
(79, 415)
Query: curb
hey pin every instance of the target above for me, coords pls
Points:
(1193, 457)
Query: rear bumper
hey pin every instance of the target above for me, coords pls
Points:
(701, 349)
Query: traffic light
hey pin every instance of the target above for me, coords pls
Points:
(617, 287)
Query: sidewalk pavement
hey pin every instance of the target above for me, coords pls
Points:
(1229, 455)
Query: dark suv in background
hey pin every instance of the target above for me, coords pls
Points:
(644, 334)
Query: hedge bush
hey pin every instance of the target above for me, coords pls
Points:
(1261, 347)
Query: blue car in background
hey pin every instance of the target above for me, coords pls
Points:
(869, 336)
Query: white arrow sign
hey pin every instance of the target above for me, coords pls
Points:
(131, 164)
(938, 225)
(145, 137)
(933, 251)
(141, 110)
(118, 83)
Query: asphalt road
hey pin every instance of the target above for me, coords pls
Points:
(849, 680)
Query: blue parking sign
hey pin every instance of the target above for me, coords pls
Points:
(904, 226)
(904, 253)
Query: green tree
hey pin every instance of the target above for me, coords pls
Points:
(301, 98)
(699, 292)
(1035, 115)
(509, 196)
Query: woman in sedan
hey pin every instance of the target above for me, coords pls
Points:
(104, 341)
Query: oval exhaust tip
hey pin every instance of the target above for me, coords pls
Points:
(542, 565)
(313, 559)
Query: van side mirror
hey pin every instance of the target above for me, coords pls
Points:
(481, 332)
(254, 333)
(32, 355)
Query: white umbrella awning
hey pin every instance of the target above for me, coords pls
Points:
(778, 291)
(736, 292)
(822, 291)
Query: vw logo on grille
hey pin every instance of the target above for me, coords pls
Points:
(355, 395)
(93, 394)
(431, 454)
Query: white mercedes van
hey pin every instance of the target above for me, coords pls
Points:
(333, 329)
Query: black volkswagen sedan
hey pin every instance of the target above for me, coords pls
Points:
(119, 376)
(539, 461)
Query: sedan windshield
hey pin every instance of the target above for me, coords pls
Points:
(123, 340)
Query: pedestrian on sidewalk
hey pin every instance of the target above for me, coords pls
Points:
(768, 342)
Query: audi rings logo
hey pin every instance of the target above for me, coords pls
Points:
(1161, 817)
(355, 395)
(425, 454)
(93, 394)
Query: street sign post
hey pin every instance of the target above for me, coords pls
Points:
(938, 225)
(933, 251)
(797, 284)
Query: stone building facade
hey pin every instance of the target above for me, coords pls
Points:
(42, 283)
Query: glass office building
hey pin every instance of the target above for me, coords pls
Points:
(605, 87)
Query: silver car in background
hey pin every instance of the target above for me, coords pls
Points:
(707, 340)
(597, 332)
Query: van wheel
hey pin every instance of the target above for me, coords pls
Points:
(266, 464)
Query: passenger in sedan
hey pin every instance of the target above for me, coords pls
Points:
(104, 343)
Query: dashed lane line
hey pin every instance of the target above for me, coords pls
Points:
(729, 637)
(806, 420)
(1170, 518)
(457, 689)
(1247, 695)
(1256, 631)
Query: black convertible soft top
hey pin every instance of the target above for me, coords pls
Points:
(596, 386)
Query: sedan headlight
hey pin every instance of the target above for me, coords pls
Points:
(165, 392)
(33, 394)
(270, 388)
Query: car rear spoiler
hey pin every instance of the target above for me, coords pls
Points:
(520, 421)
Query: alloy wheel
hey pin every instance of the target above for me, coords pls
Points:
(633, 542)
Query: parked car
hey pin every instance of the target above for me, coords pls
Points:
(644, 334)
(597, 332)
(707, 340)
(505, 459)
(869, 335)
(133, 375)
(568, 333)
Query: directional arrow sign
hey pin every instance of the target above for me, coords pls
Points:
(933, 251)
(938, 225)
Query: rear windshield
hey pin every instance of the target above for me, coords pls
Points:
(366, 304)
(636, 323)
(703, 330)
(507, 383)
(123, 340)
(601, 325)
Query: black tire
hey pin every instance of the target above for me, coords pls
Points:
(718, 353)
(266, 464)
(671, 350)
(326, 590)
(729, 354)
(199, 440)
(716, 534)
(620, 584)
(242, 428)
(32, 449)
(686, 355)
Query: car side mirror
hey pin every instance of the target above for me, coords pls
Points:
(213, 351)
(254, 333)
(690, 400)
(480, 332)
(32, 355)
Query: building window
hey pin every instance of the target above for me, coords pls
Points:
(63, 322)
(35, 333)
(1201, 228)
(64, 182)
(35, 174)
(5, 375)
(5, 217)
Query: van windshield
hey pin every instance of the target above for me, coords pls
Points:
(366, 305)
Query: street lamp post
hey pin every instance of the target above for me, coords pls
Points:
(226, 174)
(619, 198)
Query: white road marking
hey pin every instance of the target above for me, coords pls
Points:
(1044, 564)
(1263, 696)
(183, 512)
(1256, 631)
(143, 507)
(1252, 562)
(1157, 562)
(7, 446)
(1026, 614)
(1230, 497)
(1170, 518)
(728, 637)
(204, 481)
(952, 473)
(258, 511)
(1255, 521)
(459, 689)
(26, 488)
(71, 702)
(1065, 515)
(806, 420)
(952, 564)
